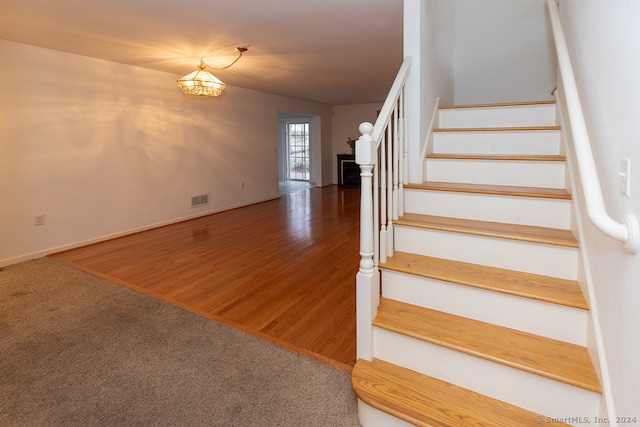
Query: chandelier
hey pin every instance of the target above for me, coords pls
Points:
(203, 83)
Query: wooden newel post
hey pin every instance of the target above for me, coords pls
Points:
(367, 280)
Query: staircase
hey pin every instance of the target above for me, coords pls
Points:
(481, 320)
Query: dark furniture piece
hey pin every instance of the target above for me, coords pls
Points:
(348, 171)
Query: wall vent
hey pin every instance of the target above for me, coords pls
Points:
(200, 200)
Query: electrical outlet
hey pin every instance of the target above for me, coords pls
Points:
(625, 176)
(38, 219)
(242, 185)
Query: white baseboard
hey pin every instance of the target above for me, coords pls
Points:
(48, 251)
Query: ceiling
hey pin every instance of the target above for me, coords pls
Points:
(328, 51)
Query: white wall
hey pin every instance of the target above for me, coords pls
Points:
(346, 121)
(102, 149)
(504, 51)
(429, 40)
(603, 42)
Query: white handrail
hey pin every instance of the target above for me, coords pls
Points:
(628, 231)
(389, 104)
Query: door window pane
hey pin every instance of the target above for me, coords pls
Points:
(298, 151)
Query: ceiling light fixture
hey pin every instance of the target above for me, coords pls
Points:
(203, 83)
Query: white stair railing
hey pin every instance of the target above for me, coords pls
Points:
(628, 231)
(381, 152)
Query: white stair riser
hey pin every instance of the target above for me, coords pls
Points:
(501, 142)
(372, 417)
(535, 317)
(542, 212)
(507, 116)
(533, 392)
(547, 260)
(497, 172)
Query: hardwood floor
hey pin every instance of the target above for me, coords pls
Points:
(283, 270)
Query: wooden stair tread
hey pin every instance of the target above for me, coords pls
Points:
(542, 288)
(528, 233)
(521, 157)
(499, 129)
(497, 104)
(557, 360)
(426, 401)
(504, 190)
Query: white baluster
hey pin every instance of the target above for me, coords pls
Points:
(402, 132)
(383, 199)
(391, 141)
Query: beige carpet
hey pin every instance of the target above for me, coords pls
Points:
(78, 350)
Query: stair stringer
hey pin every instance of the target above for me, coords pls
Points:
(595, 345)
(427, 147)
